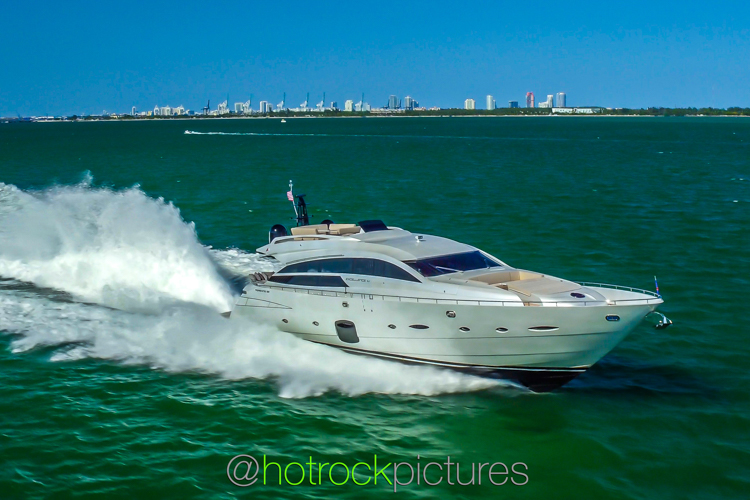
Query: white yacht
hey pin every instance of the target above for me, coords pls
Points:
(378, 290)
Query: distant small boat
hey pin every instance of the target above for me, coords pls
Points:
(283, 120)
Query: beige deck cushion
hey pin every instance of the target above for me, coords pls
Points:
(311, 229)
(505, 276)
(348, 230)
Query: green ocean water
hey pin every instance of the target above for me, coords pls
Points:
(119, 379)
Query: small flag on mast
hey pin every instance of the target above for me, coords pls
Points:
(290, 196)
(656, 283)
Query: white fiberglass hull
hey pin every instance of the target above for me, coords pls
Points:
(541, 346)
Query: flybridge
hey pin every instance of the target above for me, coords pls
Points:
(373, 236)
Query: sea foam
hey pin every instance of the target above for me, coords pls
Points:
(140, 288)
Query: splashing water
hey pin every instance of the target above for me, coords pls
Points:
(119, 249)
(163, 291)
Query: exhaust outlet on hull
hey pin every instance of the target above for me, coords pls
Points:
(347, 332)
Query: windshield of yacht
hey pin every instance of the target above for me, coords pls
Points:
(458, 262)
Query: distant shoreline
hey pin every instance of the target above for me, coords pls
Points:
(365, 115)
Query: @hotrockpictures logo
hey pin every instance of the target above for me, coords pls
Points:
(246, 470)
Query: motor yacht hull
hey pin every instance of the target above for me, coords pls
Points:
(541, 346)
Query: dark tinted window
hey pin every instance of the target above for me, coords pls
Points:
(445, 264)
(309, 280)
(369, 226)
(369, 267)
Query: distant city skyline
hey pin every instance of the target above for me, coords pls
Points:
(82, 58)
(264, 106)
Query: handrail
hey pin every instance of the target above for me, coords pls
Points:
(435, 300)
(617, 287)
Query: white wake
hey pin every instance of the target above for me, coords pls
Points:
(163, 292)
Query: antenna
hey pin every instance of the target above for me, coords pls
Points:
(290, 196)
(300, 207)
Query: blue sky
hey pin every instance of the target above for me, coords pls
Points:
(85, 57)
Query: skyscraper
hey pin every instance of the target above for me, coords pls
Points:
(550, 101)
(561, 98)
(512, 104)
(393, 102)
(349, 105)
(409, 102)
(529, 99)
(490, 102)
(470, 104)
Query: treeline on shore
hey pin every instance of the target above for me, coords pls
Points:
(734, 111)
(595, 111)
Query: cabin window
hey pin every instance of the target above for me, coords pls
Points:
(368, 267)
(309, 280)
(458, 262)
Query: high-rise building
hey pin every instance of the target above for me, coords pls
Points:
(550, 101)
(470, 104)
(334, 106)
(491, 102)
(133, 111)
(179, 110)
(512, 104)
(165, 111)
(393, 102)
(529, 99)
(349, 105)
(409, 103)
(156, 111)
(239, 107)
(265, 107)
(561, 98)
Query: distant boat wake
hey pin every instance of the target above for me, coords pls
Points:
(191, 132)
(383, 136)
